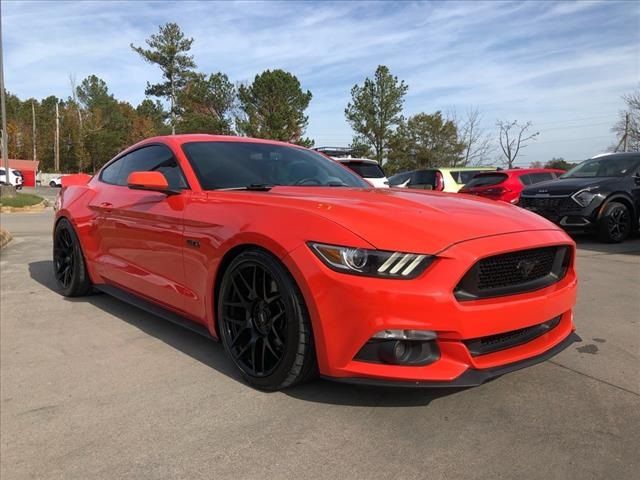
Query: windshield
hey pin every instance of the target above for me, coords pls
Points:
(364, 169)
(603, 167)
(220, 165)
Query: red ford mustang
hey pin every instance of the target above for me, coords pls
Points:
(299, 267)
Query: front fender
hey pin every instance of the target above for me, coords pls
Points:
(219, 231)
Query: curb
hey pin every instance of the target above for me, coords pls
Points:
(5, 237)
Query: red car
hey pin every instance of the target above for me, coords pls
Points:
(298, 266)
(506, 185)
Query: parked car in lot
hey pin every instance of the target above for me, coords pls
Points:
(440, 179)
(299, 266)
(55, 182)
(600, 195)
(367, 168)
(506, 185)
(14, 178)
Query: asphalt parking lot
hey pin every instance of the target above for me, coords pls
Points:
(94, 388)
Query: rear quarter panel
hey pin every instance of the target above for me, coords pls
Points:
(72, 203)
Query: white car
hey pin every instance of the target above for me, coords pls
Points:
(15, 178)
(367, 168)
(55, 182)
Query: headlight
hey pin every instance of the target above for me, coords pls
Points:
(372, 263)
(584, 197)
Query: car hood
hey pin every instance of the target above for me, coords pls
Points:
(407, 220)
(566, 186)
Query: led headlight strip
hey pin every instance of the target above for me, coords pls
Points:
(373, 263)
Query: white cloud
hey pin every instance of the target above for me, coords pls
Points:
(539, 61)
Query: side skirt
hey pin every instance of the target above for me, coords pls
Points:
(154, 309)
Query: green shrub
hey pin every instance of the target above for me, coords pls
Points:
(20, 200)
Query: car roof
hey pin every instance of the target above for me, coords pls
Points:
(523, 171)
(450, 169)
(357, 160)
(617, 155)
(204, 137)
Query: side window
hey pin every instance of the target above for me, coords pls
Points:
(147, 159)
(424, 177)
(525, 179)
(1, 171)
(111, 174)
(155, 158)
(540, 177)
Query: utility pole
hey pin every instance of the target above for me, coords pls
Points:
(5, 145)
(57, 141)
(626, 131)
(33, 136)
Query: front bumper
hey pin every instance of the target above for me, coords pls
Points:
(346, 311)
(470, 378)
(567, 214)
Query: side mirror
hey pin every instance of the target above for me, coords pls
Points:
(151, 181)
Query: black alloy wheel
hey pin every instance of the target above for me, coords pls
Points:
(615, 223)
(264, 322)
(68, 261)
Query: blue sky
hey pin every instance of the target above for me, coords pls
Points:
(561, 65)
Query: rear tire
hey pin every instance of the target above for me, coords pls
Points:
(615, 222)
(263, 322)
(68, 261)
(52, 184)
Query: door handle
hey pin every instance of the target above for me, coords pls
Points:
(106, 206)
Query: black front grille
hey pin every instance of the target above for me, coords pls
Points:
(553, 208)
(514, 268)
(514, 272)
(501, 341)
(548, 202)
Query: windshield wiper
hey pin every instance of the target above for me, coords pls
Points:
(254, 187)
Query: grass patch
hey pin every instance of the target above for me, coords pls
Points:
(20, 200)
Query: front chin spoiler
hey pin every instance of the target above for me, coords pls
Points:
(470, 378)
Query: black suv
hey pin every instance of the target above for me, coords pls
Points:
(600, 195)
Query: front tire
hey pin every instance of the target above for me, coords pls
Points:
(263, 322)
(52, 184)
(68, 262)
(614, 224)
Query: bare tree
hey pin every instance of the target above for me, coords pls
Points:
(477, 144)
(514, 137)
(627, 128)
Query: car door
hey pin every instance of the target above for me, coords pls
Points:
(140, 232)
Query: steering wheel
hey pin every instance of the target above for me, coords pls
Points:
(307, 181)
